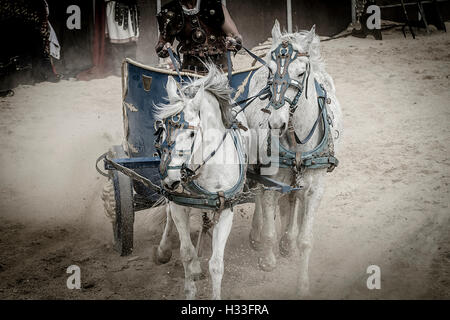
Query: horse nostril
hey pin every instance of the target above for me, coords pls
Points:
(283, 127)
(270, 127)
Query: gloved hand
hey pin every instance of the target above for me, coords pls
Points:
(161, 49)
(234, 43)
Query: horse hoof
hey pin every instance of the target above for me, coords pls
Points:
(285, 247)
(198, 276)
(267, 265)
(254, 244)
(195, 270)
(303, 291)
(161, 257)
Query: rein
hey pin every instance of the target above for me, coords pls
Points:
(175, 63)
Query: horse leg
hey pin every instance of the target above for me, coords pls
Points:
(257, 221)
(220, 236)
(287, 242)
(164, 250)
(284, 205)
(191, 263)
(312, 199)
(269, 203)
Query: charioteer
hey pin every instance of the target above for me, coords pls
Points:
(204, 30)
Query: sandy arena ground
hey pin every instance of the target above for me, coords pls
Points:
(386, 204)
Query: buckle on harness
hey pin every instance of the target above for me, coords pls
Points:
(298, 159)
(187, 175)
(221, 195)
(333, 164)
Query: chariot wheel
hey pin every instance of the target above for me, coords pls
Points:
(119, 206)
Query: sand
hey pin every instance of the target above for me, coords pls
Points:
(387, 204)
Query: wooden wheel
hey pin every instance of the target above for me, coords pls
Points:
(123, 221)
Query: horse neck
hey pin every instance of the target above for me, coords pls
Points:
(212, 126)
(218, 173)
(255, 118)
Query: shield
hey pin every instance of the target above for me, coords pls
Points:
(143, 87)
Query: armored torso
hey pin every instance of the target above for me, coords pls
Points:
(199, 34)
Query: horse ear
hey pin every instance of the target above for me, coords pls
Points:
(276, 31)
(198, 99)
(311, 35)
(171, 88)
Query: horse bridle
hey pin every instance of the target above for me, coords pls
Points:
(322, 156)
(167, 147)
(283, 56)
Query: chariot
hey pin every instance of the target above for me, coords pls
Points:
(133, 166)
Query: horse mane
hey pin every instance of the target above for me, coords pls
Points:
(215, 83)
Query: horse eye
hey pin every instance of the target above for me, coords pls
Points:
(192, 134)
(301, 74)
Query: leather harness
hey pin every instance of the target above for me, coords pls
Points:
(322, 156)
(191, 193)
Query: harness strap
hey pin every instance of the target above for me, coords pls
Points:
(308, 71)
(192, 201)
(298, 159)
(204, 199)
(254, 56)
(319, 157)
(291, 132)
(263, 95)
(313, 129)
(213, 153)
(230, 67)
(221, 195)
(174, 62)
(132, 174)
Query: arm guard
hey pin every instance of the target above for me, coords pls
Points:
(160, 51)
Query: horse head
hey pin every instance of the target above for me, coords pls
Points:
(290, 68)
(191, 111)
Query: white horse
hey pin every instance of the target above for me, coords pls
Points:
(297, 209)
(206, 145)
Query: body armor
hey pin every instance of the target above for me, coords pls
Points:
(200, 34)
